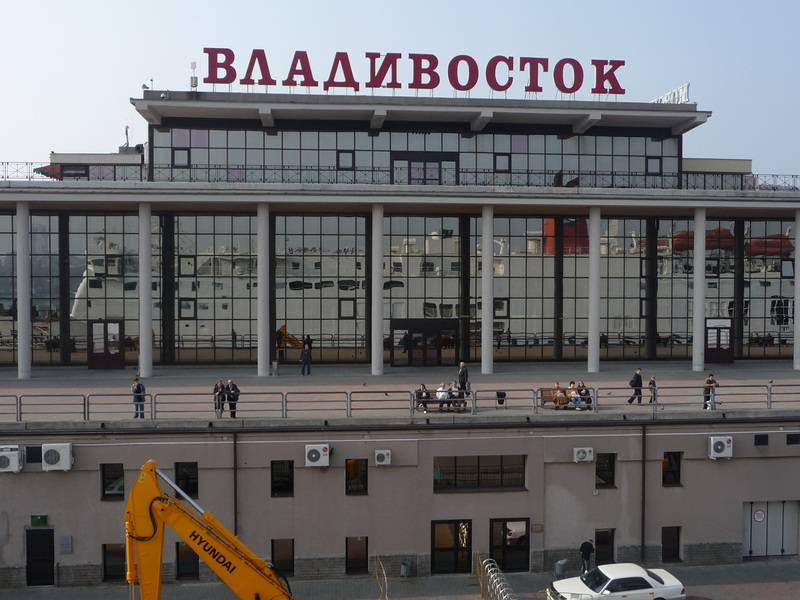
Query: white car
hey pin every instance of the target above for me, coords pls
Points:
(623, 580)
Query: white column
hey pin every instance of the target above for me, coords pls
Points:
(593, 343)
(23, 296)
(263, 290)
(377, 289)
(487, 289)
(699, 272)
(796, 319)
(145, 290)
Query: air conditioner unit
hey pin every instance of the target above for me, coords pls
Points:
(11, 459)
(582, 454)
(56, 457)
(383, 457)
(720, 446)
(318, 455)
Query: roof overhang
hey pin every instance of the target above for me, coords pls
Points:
(376, 111)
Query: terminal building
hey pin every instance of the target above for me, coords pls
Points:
(397, 231)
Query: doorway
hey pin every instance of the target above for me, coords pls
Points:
(423, 342)
(451, 547)
(40, 556)
(670, 544)
(509, 545)
(719, 335)
(604, 546)
(106, 347)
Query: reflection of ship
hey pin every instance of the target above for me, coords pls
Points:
(216, 302)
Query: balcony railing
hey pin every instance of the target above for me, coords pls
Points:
(10, 171)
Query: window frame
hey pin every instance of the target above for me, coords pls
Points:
(508, 475)
(110, 473)
(356, 477)
(609, 465)
(281, 467)
(671, 469)
(183, 470)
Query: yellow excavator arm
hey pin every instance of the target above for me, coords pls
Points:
(149, 509)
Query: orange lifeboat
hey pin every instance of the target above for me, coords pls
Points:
(777, 244)
(719, 238)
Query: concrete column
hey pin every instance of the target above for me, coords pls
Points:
(377, 290)
(487, 290)
(145, 290)
(593, 345)
(699, 278)
(263, 290)
(796, 319)
(23, 295)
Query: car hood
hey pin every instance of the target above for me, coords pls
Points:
(572, 585)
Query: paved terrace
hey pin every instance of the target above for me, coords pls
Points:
(77, 398)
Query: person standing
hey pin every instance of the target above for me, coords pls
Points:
(305, 360)
(463, 380)
(233, 396)
(709, 386)
(219, 398)
(636, 384)
(138, 391)
(653, 389)
(406, 342)
(587, 549)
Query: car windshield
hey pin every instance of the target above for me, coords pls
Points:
(652, 575)
(594, 580)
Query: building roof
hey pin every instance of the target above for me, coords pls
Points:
(156, 106)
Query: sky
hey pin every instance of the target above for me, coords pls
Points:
(70, 68)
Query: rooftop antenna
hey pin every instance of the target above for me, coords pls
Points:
(127, 140)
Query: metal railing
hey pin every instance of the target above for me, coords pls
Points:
(24, 171)
(377, 404)
(494, 585)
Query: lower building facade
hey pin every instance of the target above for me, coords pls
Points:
(427, 498)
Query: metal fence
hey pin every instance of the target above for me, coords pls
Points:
(378, 404)
(24, 171)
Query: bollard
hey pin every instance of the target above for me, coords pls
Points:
(274, 368)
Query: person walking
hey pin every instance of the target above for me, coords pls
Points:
(138, 391)
(219, 398)
(587, 549)
(305, 359)
(709, 386)
(653, 389)
(232, 392)
(636, 384)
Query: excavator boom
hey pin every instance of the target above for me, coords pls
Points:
(149, 509)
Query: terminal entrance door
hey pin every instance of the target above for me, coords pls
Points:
(105, 344)
(719, 341)
(423, 342)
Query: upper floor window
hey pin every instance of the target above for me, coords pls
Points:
(356, 476)
(470, 473)
(282, 478)
(113, 481)
(186, 478)
(605, 467)
(671, 468)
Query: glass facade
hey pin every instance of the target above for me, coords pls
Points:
(544, 157)
(85, 265)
